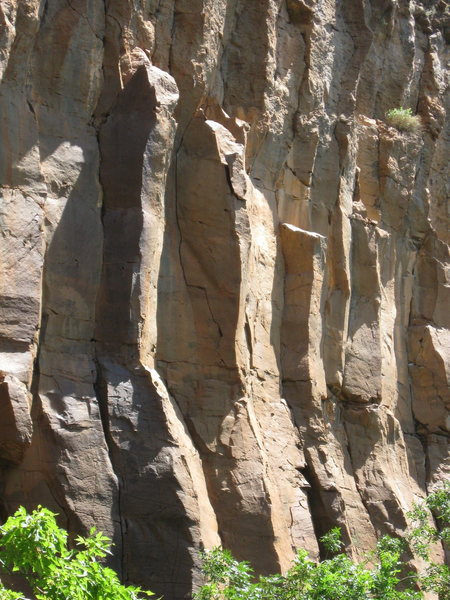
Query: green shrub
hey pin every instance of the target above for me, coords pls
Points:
(403, 120)
(436, 577)
(340, 578)
(33, 546)
(337, 578)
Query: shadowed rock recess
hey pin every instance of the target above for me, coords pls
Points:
(224, 279)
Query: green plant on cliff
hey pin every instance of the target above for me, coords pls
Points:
(436, 577)
(339, 577)
(403, 120)
(33, 546)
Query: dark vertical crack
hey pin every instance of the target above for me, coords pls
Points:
(100, 383)
(320, 517)
(422, 437)
(43, 15)
(176, 203)
(101, 394)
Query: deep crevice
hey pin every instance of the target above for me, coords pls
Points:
(320, 517)
(101, 394)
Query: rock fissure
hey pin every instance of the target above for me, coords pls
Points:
(222, 275)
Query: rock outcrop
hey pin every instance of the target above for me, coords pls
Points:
(225, 280)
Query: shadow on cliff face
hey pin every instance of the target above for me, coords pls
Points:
(67, 435)
(49, 160)
(154, 537)
(90, 387)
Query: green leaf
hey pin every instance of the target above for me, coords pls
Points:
(34, 545)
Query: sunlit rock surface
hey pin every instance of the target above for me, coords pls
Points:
(224, 280)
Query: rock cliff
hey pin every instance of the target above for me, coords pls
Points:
(225, 281)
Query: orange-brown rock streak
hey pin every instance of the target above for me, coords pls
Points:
(224, 279)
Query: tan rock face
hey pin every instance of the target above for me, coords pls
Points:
(224, 290)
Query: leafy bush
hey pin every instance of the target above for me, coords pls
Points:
(436, 577)
(403, 119)
(35, 547)
(339, 578)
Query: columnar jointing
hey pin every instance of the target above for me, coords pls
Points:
(224, 278)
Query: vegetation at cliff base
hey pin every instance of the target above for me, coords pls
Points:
(403, 120)
(33, 546)
(383, 576)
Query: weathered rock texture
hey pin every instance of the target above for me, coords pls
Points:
(225, 284)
